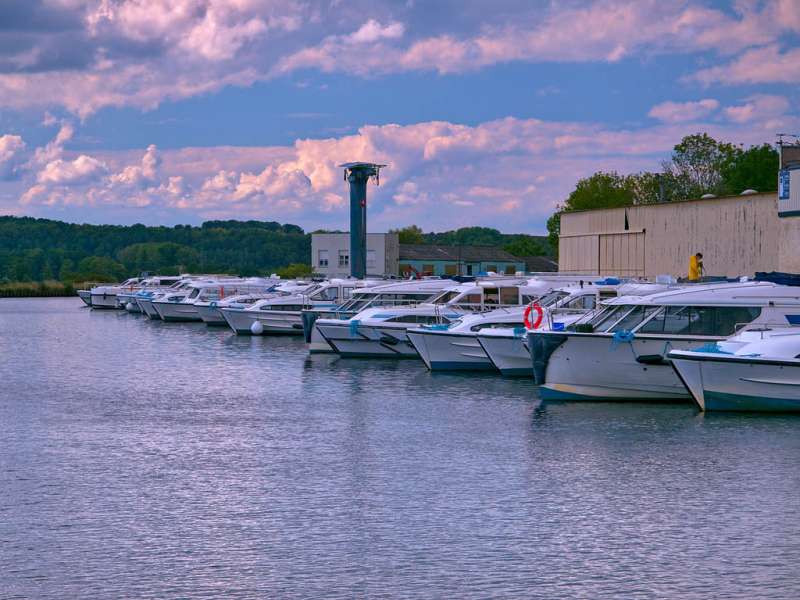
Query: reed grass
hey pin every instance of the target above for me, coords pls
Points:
(38, 289)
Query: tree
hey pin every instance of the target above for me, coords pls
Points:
(409, 235)
(526, 246)
(755, 168)
(554, 230)
(294, 271)
(697, 165)
(100, 268)
(601, 190)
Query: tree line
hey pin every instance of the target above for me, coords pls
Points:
(698, 165)
(43, 249)
(518, 244)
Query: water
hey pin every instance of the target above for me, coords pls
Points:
(155, 460)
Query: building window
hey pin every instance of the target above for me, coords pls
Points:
(427, 269)
(322, 258)
(510, 269)
(344, 258)
(370, 258)
(451, 269)
(469, 269)
(492, 268)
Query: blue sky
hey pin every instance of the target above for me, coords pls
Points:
(177, 111)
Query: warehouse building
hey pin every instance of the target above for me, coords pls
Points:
(737, 235)
(432, 259)
(330, 257)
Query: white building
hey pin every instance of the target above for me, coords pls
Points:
(330, 254)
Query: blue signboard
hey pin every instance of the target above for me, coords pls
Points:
(783, 184)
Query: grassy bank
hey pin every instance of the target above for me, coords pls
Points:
(37, 289)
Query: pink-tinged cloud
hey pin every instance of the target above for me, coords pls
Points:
(507, 173)
(681, 112)
(761, 107)
(760, 65)
(142, 52)
(12, 148)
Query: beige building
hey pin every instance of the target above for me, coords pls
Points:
(737, 235)
(330, 254)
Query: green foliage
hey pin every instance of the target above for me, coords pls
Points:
(295, 270)
(755, 168)
(697, 165)
(526, 245)
(173, 258)
(409, 235)
(601, 190)
(554, 230)
(34, 249)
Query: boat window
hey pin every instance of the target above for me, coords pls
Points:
(470, 299)
(481, 326)
(328, 294)
(635, 317)
(195, 293)
(547, 299)
(445, 297)
(608, 317)
(347, 292)
(585, 302)
(509, 295)
(718, 321)
(490, 296)
(418, 319)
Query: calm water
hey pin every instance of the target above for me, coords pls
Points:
(153, 460)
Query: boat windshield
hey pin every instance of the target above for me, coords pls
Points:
(445, 297)
(195, 293)
(718, 321)
(551, 298)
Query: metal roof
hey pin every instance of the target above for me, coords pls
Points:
(456, 253)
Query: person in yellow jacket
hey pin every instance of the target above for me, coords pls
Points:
(696, 267)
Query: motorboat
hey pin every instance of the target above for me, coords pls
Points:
(105, 296)
(755, 371)
(507, 348)
(454, 346)
(621, 352)
(209, 308)
(282, 313)
(382, 332)
(86, 296)
(408, 292)
(180, 305)
(144, 299)
(128, 299)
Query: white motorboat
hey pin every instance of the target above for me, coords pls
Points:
(209, 309)
(105, 296)
(282, 313)
(407, 292)
(180, 305)
(507, 348)
(621, 352)
(755, 371)
(382, 332)
(128, 299)
(86, 296)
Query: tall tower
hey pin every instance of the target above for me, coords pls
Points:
(357, 174)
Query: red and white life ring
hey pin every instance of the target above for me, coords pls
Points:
(539, 315)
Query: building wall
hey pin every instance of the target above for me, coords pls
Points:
(382, 253)
(737, 235)
(450, 267)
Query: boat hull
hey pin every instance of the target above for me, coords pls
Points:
(211, 315)
(177, 312)
(146, 306)
(86, 296)
(509, 355)
(367, 341)
(105, 301)
(277, 322)
(444, 351)
(594, 367)
(737, 385)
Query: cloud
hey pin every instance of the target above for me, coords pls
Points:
(757, 66)
(758, 108)
(507, 173)
(12, 148)
(81, 170)
(680, 112)
(85, 55)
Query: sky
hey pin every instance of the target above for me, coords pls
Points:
(486, 113)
